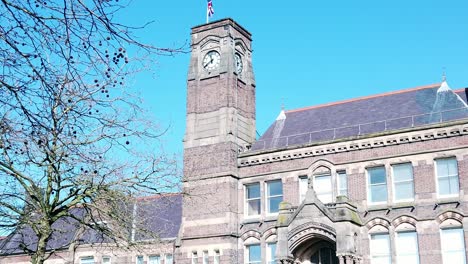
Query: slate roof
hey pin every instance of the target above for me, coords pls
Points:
(160, 214)
(367, 115)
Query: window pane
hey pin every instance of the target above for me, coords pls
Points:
(380, 245)
(275, 188)
(377, 175)
(342, 183)
(404, 191)
(255, 254)
(106, 260)
(154, 260)
(402, 172)
(254, 207)
(271, 251)
(139, 259)
(453, 246)
(453, 181)
(303, 186)
(381, 260)
(378, 193)
(253, 191)
(205, 257)
(446, 167)
(274, 204)
(452, 166)
(407, 247)
(323, 183)
(87, 260)
(168, 259)
(448, 185)
(217, 257)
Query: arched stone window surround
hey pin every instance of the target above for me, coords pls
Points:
(321, 167)
(404, 223)
(450, 215)
(378, 222)
(240, 46)
(450, 219)
(251, 234)
(270, 235)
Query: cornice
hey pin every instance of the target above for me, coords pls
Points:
(405, 137)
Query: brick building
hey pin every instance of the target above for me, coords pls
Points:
(378, 179)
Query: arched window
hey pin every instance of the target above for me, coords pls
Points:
(406, 243)
(452, 242)
(380, 251)
(323, 184)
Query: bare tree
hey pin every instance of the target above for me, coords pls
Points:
(72, 134)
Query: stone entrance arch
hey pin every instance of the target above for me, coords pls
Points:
(313, 243)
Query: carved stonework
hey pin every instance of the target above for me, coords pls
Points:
(307, 231)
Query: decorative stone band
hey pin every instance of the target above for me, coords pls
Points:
(308, 231)
(248, 159)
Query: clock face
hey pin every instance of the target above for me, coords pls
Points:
(239, 65)
(211, 60)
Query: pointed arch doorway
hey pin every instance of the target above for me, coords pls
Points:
(323, 253)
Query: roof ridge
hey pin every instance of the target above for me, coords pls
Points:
(365, 97)
(157, 196)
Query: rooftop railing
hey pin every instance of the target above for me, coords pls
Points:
(362, 129)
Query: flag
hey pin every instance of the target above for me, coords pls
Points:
(210, 10)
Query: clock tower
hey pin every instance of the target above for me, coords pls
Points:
(220, 123)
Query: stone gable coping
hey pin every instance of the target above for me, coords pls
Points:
(354, 145)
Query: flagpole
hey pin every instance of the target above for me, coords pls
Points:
(207, 15)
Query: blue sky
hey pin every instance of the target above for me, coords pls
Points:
(309, 52)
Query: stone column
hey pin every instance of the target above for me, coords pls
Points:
(341, 260)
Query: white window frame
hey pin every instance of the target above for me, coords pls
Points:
(273, 196)
(269, 253)
(394, 183)
(389, 246)
(318, 193)
(194, 257)
(246, 200)
(247, 254)
(338, 183)
(459, 229)
(166, 261)
(205, 257)
(448, 176)
(217, 256)
(399, 254)
(368, 185)
(154, 257)
(303, 179)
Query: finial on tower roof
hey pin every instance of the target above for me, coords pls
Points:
(444, 76)
(282, 103)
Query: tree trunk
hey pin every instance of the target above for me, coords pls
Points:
(39, 256)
